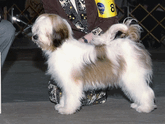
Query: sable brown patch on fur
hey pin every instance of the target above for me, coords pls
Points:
(76, 76)
(144, 57)
(102, 71)
(60, 30)
(133, 33)
(47, 47)
(122, 65)
(100, 52)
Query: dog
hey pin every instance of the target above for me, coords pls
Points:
(108, 61)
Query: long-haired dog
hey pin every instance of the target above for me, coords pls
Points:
(106, 62)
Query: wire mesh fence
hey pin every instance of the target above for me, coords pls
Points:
(152, 22)
(24, 19)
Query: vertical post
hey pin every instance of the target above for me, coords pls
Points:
(12, 14)
(5, 12)
(125, 5)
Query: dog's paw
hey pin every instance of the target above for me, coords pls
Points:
(66, 111)
(58, 106)
(146, 109)
(134, 105)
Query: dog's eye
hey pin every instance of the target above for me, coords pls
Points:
(35, 37)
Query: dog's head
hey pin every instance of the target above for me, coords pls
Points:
(50, 31)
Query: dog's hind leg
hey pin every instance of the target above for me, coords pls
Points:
(72, 94)
(138, 90)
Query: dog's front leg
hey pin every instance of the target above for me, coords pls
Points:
(72, 98)
(61, 103)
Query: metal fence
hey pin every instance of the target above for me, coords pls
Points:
(24, 19)
(153, 21)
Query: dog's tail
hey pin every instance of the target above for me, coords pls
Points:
(129, 28)
(134, 29)
(110, 34)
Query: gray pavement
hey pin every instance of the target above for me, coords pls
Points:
(25, 99)
(114, 111)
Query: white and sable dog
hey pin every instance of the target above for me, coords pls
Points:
(106, 62)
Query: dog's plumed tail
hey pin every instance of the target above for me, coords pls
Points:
(129, 28)
(134, 29)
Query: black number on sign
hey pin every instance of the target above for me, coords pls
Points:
(112, 7)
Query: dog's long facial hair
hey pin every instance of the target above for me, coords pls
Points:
(106, 62)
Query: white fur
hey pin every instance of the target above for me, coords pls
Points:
(73, 55)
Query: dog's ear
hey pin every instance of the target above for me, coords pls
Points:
(60, 34)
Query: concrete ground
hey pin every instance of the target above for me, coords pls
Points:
(25, 97)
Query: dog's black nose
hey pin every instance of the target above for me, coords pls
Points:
(35, 37)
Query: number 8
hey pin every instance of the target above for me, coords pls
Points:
(112, 7)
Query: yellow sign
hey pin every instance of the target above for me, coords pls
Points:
(106, 8)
